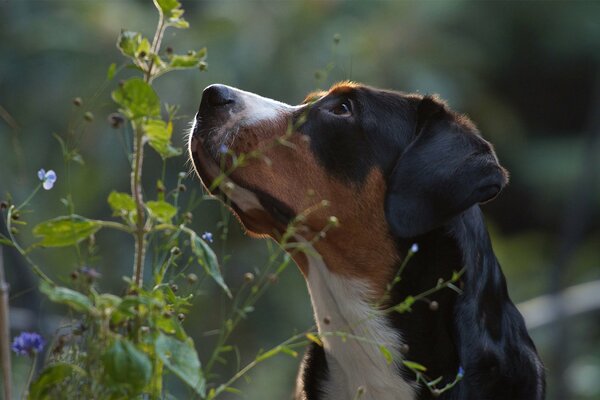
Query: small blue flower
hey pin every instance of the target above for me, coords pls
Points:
(207, 236)
(461, 373)
(223, 149)
(414, 248)
(47, 178)
(28, 343)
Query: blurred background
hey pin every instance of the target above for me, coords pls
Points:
(528, 74)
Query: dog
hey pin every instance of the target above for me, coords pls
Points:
(382, 172)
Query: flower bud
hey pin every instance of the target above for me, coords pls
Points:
(404, 349)
(88, 116)
(192, 278)
(434, 306)
(248, 277)
(116, 120)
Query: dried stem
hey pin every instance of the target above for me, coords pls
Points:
(136, 171)
(5, 333)
(136, 191)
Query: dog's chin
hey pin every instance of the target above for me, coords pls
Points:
(205, 164)
(256, 222)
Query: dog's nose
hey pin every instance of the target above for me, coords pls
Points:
(219, 96)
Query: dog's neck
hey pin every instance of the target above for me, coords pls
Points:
(354, 329)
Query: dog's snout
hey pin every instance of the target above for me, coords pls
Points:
(219, 96)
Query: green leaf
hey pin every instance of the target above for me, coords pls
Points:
(65, 230)
(161, 210)
(137, 99)
(172, 13)
(314, 338)
(208, 260)
(406, 305)
(128, 42)
(110, 73)
(159, 134)
(122, 205)
(414, 366)
(50, 378)
(181, 358)
(386, 353)
(127, 366)
(62, 295)
(190, 60)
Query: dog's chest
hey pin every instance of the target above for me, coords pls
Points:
(353, 333)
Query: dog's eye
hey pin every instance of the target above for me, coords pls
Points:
(343, 109)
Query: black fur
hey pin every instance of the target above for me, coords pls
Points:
(438, 169)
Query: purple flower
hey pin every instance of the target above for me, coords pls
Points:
(28, 343)
(223, 149)
(47, 178)
(414, 248)
(207, 236)
(461, 373)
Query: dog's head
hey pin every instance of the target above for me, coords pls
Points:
(388, 164)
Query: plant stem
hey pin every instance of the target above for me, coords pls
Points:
(158, 35)
(25, 393)
(37, 270)
(5, 333)
(136, 191)
(136, 172)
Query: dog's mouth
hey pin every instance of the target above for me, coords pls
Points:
(229, 123)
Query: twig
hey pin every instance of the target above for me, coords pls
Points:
(5, 333)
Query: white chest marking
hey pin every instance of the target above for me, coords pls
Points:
(354, 363)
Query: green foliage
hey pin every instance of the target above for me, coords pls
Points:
(65, 231)
(51, 379)
(122, 205)
(180, 357)
(137, 99)
(74, 299)
(207, 258)
(126, 368)
(159, 134)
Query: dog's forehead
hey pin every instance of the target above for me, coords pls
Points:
(381, 126)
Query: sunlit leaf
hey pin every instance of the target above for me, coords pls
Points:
(50, 378)
(190, 60)
(122, 205)
(110, 73)
(386, 353)
(414, 366)
(128, 42)
(62, 295)
(181, 358)
(208, 259)
(172, 13)
(161, 210)
(137, 99)
(314, 338)
(159, 134)
(65, 230)
(127, 366)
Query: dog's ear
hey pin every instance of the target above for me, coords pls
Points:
(446, 169)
